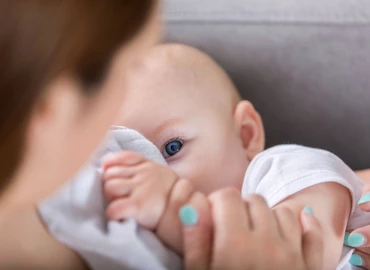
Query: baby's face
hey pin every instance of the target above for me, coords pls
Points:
(194, 131)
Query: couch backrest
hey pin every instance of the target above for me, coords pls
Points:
(304, 64)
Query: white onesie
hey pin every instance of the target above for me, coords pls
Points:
(75, 215)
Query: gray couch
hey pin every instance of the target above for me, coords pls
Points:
(305, 64)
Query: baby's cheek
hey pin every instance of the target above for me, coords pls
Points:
(203, 181)
(209, 170)
(189, 168)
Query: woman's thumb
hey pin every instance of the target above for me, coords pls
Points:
(197, 233)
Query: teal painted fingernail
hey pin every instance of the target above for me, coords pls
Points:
(308, 210)
(346, 235)
(356, 260)
(364, 199)
(356, 240)
(188, 215)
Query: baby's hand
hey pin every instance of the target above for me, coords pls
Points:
(136, 188)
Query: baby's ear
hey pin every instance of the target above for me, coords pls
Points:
(250, 128)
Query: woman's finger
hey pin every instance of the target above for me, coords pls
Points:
(289, 227)
(365, 250)
(197, 233)
(359, 237)
(364, 202)
(231, 229)
(228, 211)
(360, 259)
(312, 240)
(261, 217)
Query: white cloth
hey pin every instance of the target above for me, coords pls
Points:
(75, 216)
(284, 170)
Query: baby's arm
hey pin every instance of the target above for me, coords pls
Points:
(364, 175)
(331, 204)
(149, 193)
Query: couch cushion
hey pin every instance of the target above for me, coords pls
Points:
(304, 64)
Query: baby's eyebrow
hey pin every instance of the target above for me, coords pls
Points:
(166, 124)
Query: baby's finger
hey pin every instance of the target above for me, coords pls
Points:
(123, 158)
(312, 240)
(122, 209)
(124, 173)
(144, 210)
(117, 188)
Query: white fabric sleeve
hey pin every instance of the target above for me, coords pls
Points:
(75, 216)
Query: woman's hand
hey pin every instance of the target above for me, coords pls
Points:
(360, 238)
(364, 175)
(248, 235)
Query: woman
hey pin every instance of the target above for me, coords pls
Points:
(61, 85)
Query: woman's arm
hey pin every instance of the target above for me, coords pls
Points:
(331, 204)
(26, 244)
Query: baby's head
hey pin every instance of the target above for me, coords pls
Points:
(184, 103)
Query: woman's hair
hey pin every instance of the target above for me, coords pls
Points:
(40, 40)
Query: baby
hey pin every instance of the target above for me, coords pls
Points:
(187, 106)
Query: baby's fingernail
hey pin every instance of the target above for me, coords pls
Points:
(346, 235)
(356, 240)
(356, 260)
(308, 210)
(364, 199)
(188, 215)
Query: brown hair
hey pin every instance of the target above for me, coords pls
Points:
(39, 40)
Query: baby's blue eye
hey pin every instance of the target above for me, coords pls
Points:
(172, 148)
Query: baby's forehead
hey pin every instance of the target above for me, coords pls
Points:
(176, 81)
(181, 70)
(171, 61)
